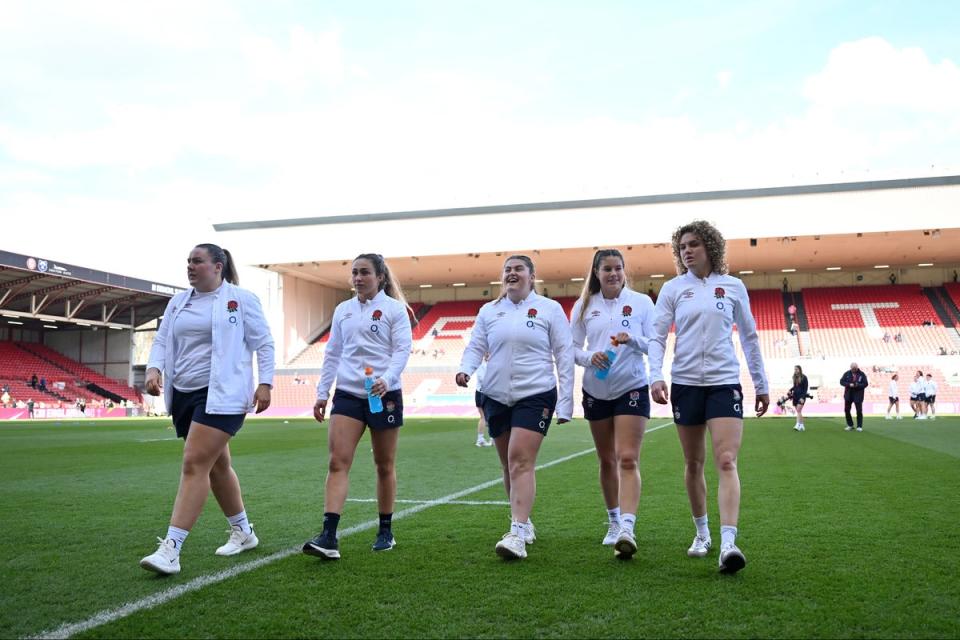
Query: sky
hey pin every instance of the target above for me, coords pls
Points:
(128, 128)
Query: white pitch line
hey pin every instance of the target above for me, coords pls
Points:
(155, 600)
(500, 503)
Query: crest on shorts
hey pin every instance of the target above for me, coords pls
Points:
(390, 406)
(719, 292)
(634, 395)
(736, 396)
(232, 306)
(531, 313)
(627, 310)
(377, 315)
(545, 414)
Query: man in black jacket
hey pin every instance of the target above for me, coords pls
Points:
(854, 382)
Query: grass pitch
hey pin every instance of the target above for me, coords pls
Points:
(845, 534)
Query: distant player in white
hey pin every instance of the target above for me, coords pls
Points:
(478, 400)
(930, 390)
(616, 396)
(918, 396)
(526, 335)
(894, 396)
(704, 303)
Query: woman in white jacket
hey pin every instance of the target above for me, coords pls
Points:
(369, 331)
(202, 359)
(616, 397)
(704, 303)
(526, 335)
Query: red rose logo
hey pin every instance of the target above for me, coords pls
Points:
(377, 315)
(719, 292)
(232, 306)
(532, 313)
(627, 310)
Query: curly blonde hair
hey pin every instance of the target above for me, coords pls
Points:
(712, 240)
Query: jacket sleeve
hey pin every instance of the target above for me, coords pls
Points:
(866, 383)
(331, 358)
(641, 343)
(257, 336)
(845, 379)
(158, 351)
(657, 344)
(750, 341)
(401, 337)
(477, 347)
(561, 343)
(804, 387)
(578, 332)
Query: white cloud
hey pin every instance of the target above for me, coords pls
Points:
(872, 73)
(724, 77)
(307, 58)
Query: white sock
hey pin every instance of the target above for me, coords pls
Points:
(177, 535)
(701, 523)
(519, 528)
(628, 520)
(240, 520)
(614, 514)
(728, 535)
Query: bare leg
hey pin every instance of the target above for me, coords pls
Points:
(693, 443)
(726, 434)
(203, 447)
(385, 456)
(603, 439)
(342, 439)
(522, 458)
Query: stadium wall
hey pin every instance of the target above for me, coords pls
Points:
(106, 351)
(307, 308)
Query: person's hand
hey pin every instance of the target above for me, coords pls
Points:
(462, 379)
(763, 402)
(563, 420)
(154, 382)
(600, 360)
(320, 410)
(261, 397)
(379, 387)
(659, 393)
(622, 338)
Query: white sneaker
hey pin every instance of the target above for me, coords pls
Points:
(531, 536)
(889, 417)
(238, 541)
(899, 417)
(625, 546)
(731, 559)
(859, 428)
(933, 417)
(613, 532)
(700, 547)
(488, 442)
(848, 429)
(796, 427)
(164, 560)
(480, 443)
(802, 428)
(511, 547)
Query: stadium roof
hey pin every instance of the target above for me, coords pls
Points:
(856, 225)
(38, 293)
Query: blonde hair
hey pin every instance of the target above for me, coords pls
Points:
(533, 272)
(591, 284)
(712, 240)
(389, 285)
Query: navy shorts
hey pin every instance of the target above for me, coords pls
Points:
(800, 402)
(921, 397)
(533, 412)
(478, 399)
(347, 404)
(931, 399)
(635, 402)
(695, 405)
(190, 406)
(894, 399)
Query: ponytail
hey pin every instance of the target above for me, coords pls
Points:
(592, 283)
(228, 270)
(389, 285)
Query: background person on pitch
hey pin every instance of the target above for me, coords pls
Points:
(798, 394)
(704, 303)
(917, 396)
(202, 358)
(930, 397)
(526, 336)
(478, 400)
(853, 382)
(894, 396)
(372, 329)
(617, 406)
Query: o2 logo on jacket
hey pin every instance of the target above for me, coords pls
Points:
(719, 293)
(232, 307)
(531, 316)
(376, 317)
(627, 310)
